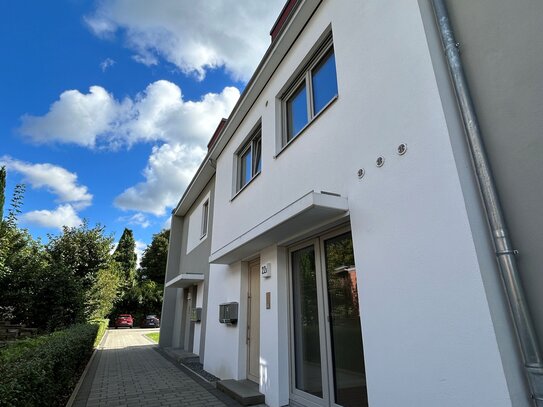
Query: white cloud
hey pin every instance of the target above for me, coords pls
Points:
(160, 113)
(169, 170)
(106, 63)
(138, 219)
(63, 215)
(101, 27)
(74, 118)
(54, 179)
(157, 114)
(58, 181)
(215, 33)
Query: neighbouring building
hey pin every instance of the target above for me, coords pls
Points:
(334, 246)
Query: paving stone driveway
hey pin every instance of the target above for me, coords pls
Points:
(128, 371)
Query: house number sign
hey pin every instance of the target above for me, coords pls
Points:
(265, 270)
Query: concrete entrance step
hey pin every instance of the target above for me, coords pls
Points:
(243, 391)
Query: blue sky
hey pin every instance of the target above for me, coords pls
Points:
(106, 106)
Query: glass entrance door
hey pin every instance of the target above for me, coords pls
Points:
(328, 360)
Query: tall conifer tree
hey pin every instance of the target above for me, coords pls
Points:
(125, 255)
(2, 191)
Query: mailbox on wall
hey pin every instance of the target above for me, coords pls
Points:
(196, 315)
(228, 313)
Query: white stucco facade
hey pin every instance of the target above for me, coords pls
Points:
(432, 321)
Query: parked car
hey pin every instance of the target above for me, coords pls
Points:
(150, 321)
(124, 320)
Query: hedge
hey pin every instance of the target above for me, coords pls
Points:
(102, 328)
(43, 371)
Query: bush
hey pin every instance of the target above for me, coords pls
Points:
(102, 328)
(43, 371)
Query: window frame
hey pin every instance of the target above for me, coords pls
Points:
(205, 219)
(251, 143)
(305, 76)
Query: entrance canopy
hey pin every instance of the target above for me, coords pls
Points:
(185, 280)
(310, 210)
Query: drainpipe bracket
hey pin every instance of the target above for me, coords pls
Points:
(514, 252)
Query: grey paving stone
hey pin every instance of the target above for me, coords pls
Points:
(129, 372)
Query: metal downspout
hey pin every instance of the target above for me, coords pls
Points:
(504, 252)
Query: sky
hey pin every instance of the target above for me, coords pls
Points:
(106, 107)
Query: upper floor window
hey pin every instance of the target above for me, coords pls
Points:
(205, 218)
(311, 92)
(249, 159)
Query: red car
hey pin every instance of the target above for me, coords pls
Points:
(124, 320)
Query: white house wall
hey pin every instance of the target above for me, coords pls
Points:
(222, 341)
(274, 363)
(428, 336)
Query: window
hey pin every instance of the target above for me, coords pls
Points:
(205, 217)
(311, 92)
(249, 159)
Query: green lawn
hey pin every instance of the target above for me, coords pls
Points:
(153, 336)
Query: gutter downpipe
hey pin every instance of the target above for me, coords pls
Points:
(502, 244)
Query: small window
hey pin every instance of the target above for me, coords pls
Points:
(205, 217)
(250, 159)
(312, 91)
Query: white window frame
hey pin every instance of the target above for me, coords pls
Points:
(251, 143)
(306, 77)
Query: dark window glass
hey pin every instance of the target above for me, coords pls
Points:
(296, 112)
(345, 331)
(324, 82)
(306, 322)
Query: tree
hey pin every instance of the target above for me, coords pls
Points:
(36, 293)
(2, 191)
(81, 251)
(144, 296)
(16, 204)
(23, 262)
(105, 291)
(59, 300)
(53, 286)
(153, 261)
(125, 255)
(11, 239)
